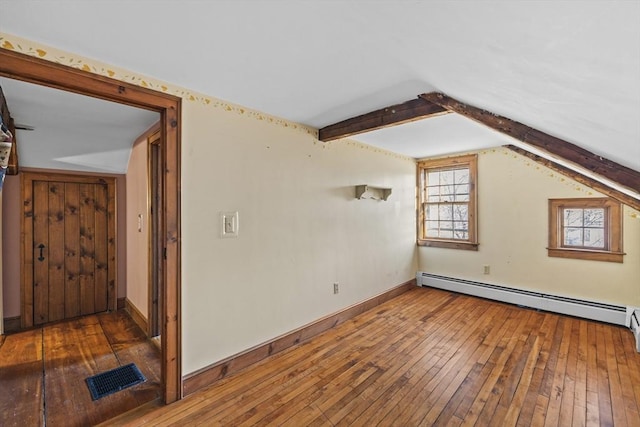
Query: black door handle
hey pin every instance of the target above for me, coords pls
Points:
(41, 247)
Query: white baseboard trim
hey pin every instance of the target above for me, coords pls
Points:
(609, 313)
(635, 327)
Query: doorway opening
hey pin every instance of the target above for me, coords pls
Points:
(34, 70)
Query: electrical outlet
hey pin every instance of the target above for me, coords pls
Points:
(336, 288)
(487, 269)
(229, 224)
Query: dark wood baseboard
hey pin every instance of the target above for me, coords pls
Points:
(12, 324)
(137, 317)
(224, 368)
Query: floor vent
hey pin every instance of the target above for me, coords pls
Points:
(109, 382)
(554, 303)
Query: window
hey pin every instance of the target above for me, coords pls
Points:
(585, 229)
(447, 200)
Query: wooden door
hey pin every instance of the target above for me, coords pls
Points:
(69, 229)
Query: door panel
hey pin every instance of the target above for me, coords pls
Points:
(56, 251)
(40, 247)
(73, 257)
(72, 250)
(87, 250)
(100, 249)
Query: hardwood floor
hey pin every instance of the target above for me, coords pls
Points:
(43, 371)
(430, 357)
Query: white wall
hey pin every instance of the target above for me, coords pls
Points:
(513, 195)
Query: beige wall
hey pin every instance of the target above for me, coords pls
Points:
(513, 224)
(301, 229)
(138, 241)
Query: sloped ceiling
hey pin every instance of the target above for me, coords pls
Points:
(568, 68)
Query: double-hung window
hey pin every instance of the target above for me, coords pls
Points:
(447, 203)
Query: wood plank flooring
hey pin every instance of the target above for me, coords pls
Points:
(430, 357)
(43, 371)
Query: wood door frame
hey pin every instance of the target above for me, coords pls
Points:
(154, 188)
(35, 70)
(26, 224)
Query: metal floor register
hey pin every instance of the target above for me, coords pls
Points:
(109, 382)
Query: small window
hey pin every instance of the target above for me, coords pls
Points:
(447, 194)
(585, 229)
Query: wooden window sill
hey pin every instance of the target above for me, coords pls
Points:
(449, 244)
(586, 254)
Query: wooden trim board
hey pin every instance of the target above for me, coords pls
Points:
(226, 367)
(12, 324)
(137, 317)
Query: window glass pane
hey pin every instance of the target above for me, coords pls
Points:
(462, 235)
(446, 177)
(462, 176)
(462, 189)
(460, 230)
(433, 178)
(460, 225)
(573, 217)
(446, 225)
(432, 212)
(594, 218)
(433, 199)
(461, 212)
(573, 237)
(445, 212)
(594, 238)
(432, 228)
(446, 234)
(446, 193)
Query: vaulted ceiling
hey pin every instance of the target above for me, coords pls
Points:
(567, 68)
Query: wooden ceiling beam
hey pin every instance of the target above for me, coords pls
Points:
(609, 169)
(408, 111)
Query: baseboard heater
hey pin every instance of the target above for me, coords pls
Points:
(635, 327)
(618, 315)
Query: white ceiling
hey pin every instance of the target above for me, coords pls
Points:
(568, 68)
(73, 132)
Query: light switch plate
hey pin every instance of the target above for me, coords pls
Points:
(229, 224)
